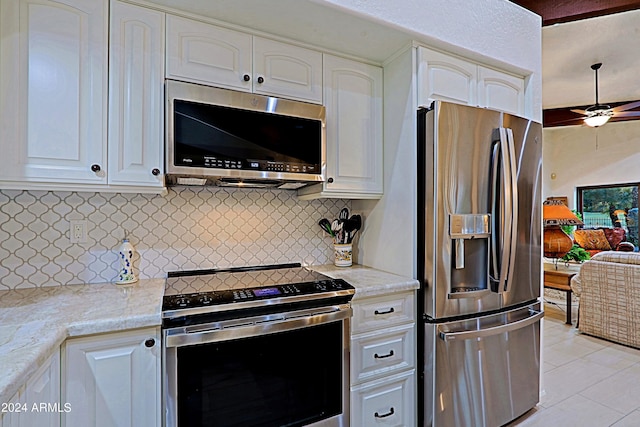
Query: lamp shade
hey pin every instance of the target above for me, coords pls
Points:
(556, 243)
(554, 212)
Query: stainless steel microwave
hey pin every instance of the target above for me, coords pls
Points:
(225, 137)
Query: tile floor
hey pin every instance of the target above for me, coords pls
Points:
(588, 382)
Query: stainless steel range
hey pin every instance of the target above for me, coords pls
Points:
(256, 346)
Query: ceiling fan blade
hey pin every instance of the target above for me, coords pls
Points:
(583, 112)
(571, 122)
(627, 114)
(625, 107)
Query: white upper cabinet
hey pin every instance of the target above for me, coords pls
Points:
(445, 78)
(207, 54)
(136, 96)
(70, 119)
(353, 101)
(113, 379)
(53, 93)
(500, 91)
(449, 78)
(282, 69)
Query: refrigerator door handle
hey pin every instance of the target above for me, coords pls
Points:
(513, 189)
(504, 199)
(534, 316)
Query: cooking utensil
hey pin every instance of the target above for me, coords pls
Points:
(336, 227)
(355, 223)
(326, 226)
(344, 213)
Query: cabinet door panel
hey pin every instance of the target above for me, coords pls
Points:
(353, 97)
(136, 73)
(501, 91)
(388, 402)
(113, 380)
(59, 127)
(43, 389)
(288, 71)
(446, 78)
(207, 54)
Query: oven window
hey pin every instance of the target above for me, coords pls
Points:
(291, 378)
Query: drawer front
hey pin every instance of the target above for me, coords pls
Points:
(385, 403)
(382, 312)
(376, 354)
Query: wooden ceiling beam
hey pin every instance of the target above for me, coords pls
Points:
(558, 11)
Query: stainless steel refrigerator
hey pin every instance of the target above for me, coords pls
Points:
(479, 263)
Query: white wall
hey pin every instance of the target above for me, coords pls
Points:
(388, 241)
(581, 156)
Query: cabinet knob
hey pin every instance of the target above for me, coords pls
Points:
(155, 172)
(260, 79)
(246, 77)
(330, 180)
(150, 343)
(95, 168)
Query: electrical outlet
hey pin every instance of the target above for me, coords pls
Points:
(78, 231)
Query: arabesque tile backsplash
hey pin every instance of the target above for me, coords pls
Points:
(188, 228)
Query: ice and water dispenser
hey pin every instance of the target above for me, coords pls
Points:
(470, 235)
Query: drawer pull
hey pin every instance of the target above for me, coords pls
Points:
(391, 310)
(388, 414)
(384, 356)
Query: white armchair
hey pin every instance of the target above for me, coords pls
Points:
(608, 288)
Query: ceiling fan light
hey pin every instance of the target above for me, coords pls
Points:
(597, 120)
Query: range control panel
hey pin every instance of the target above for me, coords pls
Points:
(211, 298)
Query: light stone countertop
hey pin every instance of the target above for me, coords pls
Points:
(34, 322)
(368, 281)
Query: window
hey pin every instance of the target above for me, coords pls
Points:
(611, 206)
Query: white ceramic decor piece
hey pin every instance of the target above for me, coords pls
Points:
(125, 255)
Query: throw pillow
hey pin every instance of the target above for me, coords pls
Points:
(614, 236)
(592, 239)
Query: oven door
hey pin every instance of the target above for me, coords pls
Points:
(289, 369)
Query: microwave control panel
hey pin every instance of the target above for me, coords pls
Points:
(251, 164)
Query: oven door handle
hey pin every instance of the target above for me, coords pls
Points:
(180, 338)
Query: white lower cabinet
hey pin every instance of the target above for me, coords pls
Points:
(383, 337)
(42, 396)
(38, 403)
(387, 402)
(113, 379)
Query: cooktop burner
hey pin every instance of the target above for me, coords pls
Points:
(205, 291)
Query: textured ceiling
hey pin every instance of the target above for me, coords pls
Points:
(569, 49)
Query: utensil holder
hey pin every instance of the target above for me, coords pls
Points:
(343, 254)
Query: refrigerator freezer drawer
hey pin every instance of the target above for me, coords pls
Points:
(482, 371)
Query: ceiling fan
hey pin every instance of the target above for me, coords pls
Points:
(595, 115)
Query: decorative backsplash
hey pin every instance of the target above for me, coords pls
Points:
(189, 228)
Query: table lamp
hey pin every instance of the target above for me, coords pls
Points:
(557, 243)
